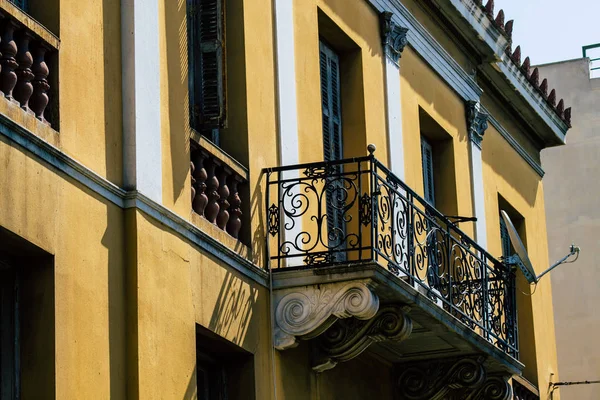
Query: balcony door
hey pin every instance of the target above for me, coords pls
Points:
(332, 148)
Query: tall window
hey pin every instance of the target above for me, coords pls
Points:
(505, 239)
(22, 4)
(207, 75)
(330, 103)
(9, 333)
(332, 142)
(428, 181)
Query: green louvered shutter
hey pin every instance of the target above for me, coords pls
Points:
(22, 4)
(505, 239)
(428, 184)
(332, 140)
(206, 19)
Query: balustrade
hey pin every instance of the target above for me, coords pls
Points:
(24, 70)
(215, 188)
(523, 390)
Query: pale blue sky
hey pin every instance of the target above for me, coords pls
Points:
(552, 30)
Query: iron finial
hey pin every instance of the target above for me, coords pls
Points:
(371, 148)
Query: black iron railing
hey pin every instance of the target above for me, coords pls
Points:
(355, 211)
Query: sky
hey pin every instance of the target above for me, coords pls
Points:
(552, 30)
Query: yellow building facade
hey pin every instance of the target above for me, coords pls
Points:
(249, 199)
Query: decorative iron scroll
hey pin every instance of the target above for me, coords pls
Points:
(383, 221)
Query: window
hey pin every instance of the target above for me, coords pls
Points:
(224, 371)
(332, 142)
(428, 182)
(22, 4)
(9, 332)
(505, 239)
(330, 103)
(206, 57)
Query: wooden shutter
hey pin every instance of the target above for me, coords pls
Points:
(332, 144)
(330, 103)
(207, 78)
(22, 4)
(505, 239)
(428, 183)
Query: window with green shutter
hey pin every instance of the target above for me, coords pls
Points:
(505, 239)
(428, 182)
(207, 75)
(332, 143)
(22, 4)
(330, 103)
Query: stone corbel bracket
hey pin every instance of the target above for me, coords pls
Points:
(460, 378)
(306, 312)
(348, 338)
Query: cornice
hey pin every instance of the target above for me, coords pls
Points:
(430, 50)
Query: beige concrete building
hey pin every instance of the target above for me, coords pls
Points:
(572, 188)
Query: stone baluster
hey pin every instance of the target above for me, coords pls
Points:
(223, 217)
(235, 209)
(212, 188)
(39, 98)
(192, 181)
(8, 47)
(200, 200)
(24, 88)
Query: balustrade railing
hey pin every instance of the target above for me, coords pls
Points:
(25, 48)
(216, 184)
(356, 211)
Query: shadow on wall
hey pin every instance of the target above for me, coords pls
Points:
(233, 309)
(257, 204)
(177, 95)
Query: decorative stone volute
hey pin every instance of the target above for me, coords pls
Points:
(306, 312)
(393, 36)
(347, 338)
(476, 122)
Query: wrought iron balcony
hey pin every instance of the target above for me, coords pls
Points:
(355, 211)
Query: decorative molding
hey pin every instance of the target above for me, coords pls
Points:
(393, 36)
(537, 167)
(430, 50)
(348, 338)
(476, 122)
(306, 312)
(67, 166)
(440, 379)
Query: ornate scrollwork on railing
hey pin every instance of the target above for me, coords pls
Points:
(356, 210)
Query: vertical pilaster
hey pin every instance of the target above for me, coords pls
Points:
(142, 155)
(393, 39)
(286, 95)
(476, 125)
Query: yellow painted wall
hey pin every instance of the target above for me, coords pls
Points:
(508, 175)
(421, 87)
(129, 292)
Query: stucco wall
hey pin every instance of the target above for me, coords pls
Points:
(572, 189)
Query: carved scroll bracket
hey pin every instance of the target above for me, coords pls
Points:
(476, 122)
(458, 378)
(394, 37)
(306, 312)
(348, 338)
